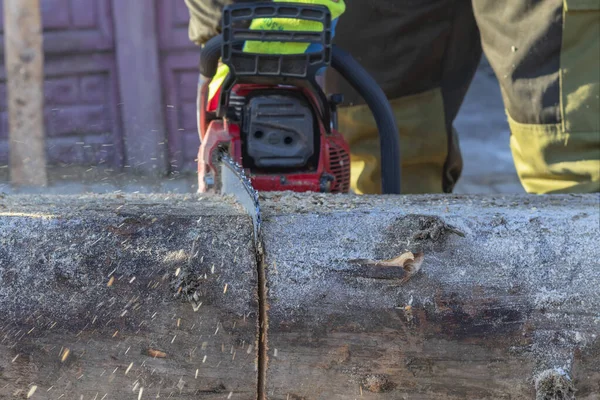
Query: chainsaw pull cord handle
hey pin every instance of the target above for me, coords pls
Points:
(365, 85)
(381, 109)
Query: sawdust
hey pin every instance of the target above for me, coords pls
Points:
(434, 228)
(378, 383)
(52, 261)
(55, 292)
(156, 353)
(554, 384)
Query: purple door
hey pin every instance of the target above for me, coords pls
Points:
(81, 93)
(87, 122)
(179, 64)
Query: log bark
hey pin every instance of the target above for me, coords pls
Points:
(24, 61)
(504, 305)
(125, 297)
(506, 299)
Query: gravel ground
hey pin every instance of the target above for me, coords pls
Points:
(484, 138)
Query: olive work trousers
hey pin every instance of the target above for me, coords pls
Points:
(424, 54)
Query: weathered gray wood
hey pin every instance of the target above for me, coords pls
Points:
(58, 258)
(506, 300)
(488, 313)
(24, 63)
(140, 86)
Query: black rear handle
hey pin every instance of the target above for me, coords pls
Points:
(210, 56)
(365, 85)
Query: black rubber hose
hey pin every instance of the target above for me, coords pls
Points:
(377, 101)
(210, 55)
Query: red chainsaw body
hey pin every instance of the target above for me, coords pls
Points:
(328, 171)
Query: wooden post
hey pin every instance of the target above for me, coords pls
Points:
(140, 86)
(24, 61)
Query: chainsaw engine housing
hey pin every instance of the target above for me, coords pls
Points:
(276, 135)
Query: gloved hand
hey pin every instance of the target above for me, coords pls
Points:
(337, 8)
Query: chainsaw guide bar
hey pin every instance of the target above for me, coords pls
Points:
(236, 183)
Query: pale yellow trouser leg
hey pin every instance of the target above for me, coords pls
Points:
(565, 157)
(423, 138)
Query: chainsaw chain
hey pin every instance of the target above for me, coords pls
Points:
(240, 172)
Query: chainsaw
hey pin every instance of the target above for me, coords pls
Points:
(271, 127)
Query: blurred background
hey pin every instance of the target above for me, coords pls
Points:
(119, 104)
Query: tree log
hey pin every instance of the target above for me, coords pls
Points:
(506, 299)
(24, 62)
(504, 305)
(115, 298)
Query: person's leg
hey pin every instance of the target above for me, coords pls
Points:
(204, 24)
(424, 55)
(546, 55)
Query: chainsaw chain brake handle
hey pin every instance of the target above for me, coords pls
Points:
(298, 70)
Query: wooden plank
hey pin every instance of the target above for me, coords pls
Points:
(24, 63)
(154, 292)
(143, 111)
(509, 302)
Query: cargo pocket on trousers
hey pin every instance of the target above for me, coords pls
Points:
(565, 157)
